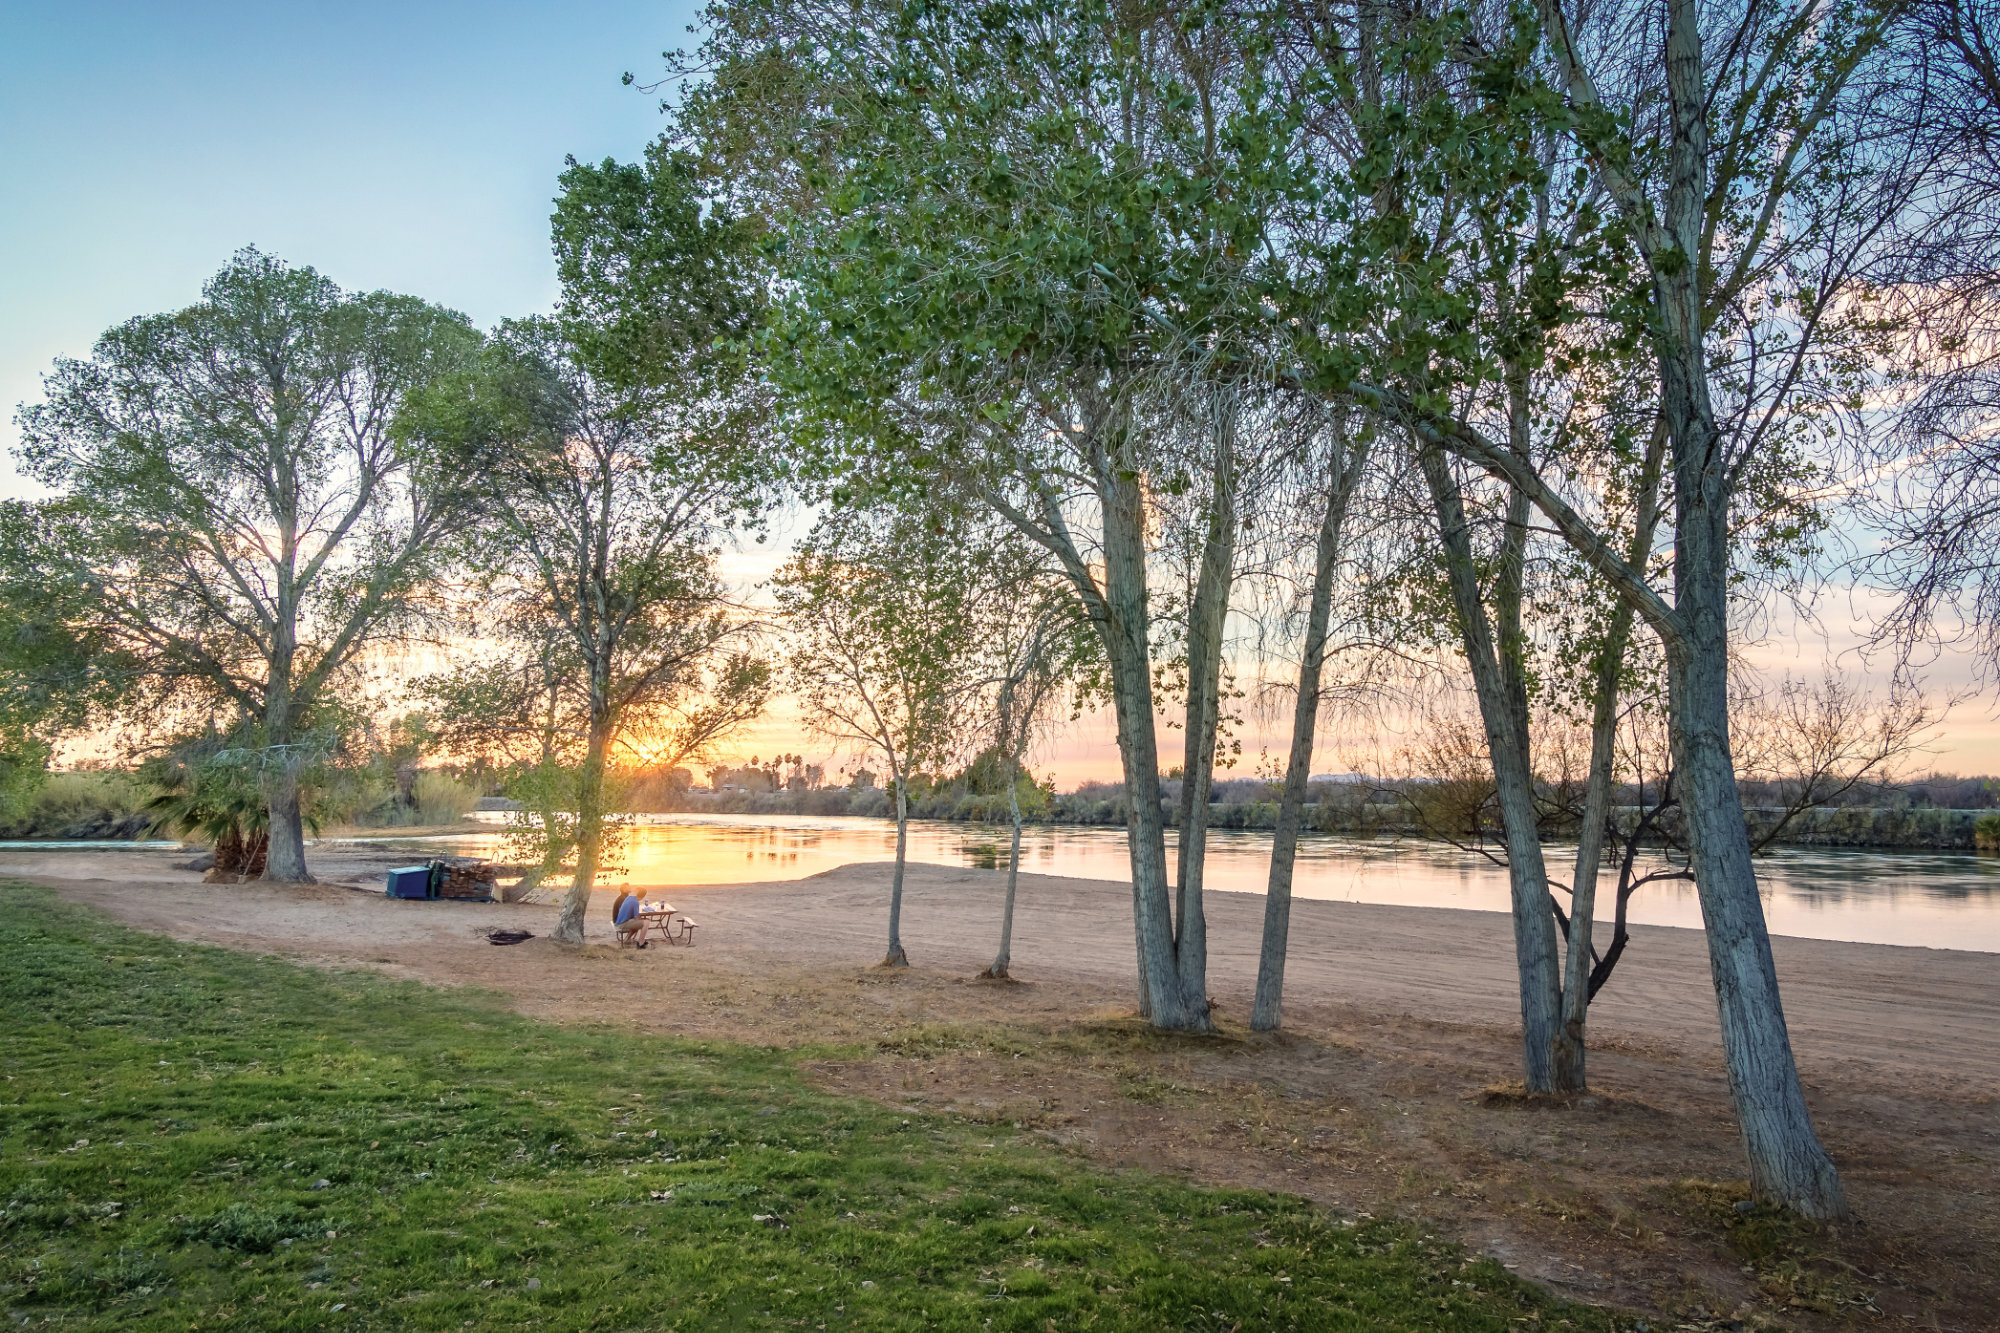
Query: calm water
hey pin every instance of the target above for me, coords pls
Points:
(1938, 900)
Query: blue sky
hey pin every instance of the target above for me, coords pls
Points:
(409, 146)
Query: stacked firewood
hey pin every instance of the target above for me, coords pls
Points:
(470, 881)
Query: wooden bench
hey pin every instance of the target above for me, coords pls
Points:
(681, 932)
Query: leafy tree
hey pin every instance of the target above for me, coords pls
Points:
(1732, 146)
(1039, 654)
(53, 674)
(883, 610)
(615, 448)
(604, 515)
(237, 522)
(1757, 331)
(1003, 229)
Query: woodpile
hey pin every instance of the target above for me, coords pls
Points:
(478, 881)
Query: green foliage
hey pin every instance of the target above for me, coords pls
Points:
(544, 830)
(55, 674)
(443, 799)
(189, 438)
(883, 609)
(658, 280)
(171, 1111)
(205, 797)
(24, 764)
(96, 803)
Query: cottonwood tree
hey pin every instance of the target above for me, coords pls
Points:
(1040, 653)
(1750, 198)
(237, 518)
(1346, 451)
(1760, 121)
(604, 517)
(882, 611)
(521, 704)
(996, 250)
(616, 446)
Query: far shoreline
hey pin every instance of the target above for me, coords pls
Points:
(360, 863)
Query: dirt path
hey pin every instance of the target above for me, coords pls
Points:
(1386, 1094)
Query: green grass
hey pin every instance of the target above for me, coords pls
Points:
(195, 1138)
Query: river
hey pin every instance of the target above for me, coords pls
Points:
(1939, 900)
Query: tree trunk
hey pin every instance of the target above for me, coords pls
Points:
(1590, 843)
(1503, 712)
(896, 957)
(1580, 981)
(1787, 1164)
(1208, 616)
(1267, 1010)
(1005, 958)
(589, 830)
(1171, 1001)
(554, 848)
(286, 863)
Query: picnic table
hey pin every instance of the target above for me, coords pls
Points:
(661, 920)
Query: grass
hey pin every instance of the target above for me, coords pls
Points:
(192, 1138)
(1788, 1253)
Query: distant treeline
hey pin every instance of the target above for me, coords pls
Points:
(1933, 813)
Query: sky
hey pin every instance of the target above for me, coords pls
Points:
(410, 146)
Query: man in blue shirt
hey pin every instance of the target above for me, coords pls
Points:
(625, 917)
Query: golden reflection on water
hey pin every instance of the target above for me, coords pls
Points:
(1939, 900)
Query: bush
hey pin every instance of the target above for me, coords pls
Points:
(443, 799)
(1986, 833)
(86, 804)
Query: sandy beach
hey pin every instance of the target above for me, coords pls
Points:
(1388, 1092)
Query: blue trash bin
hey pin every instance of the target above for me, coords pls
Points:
(410, 882)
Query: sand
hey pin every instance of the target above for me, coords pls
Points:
(1386, 1095)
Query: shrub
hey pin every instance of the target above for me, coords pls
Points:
(87, 804)
(443, 799)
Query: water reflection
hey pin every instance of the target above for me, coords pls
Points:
(1939, 900)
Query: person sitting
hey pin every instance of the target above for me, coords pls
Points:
(625, 919)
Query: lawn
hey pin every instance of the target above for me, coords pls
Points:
(193, 1138)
